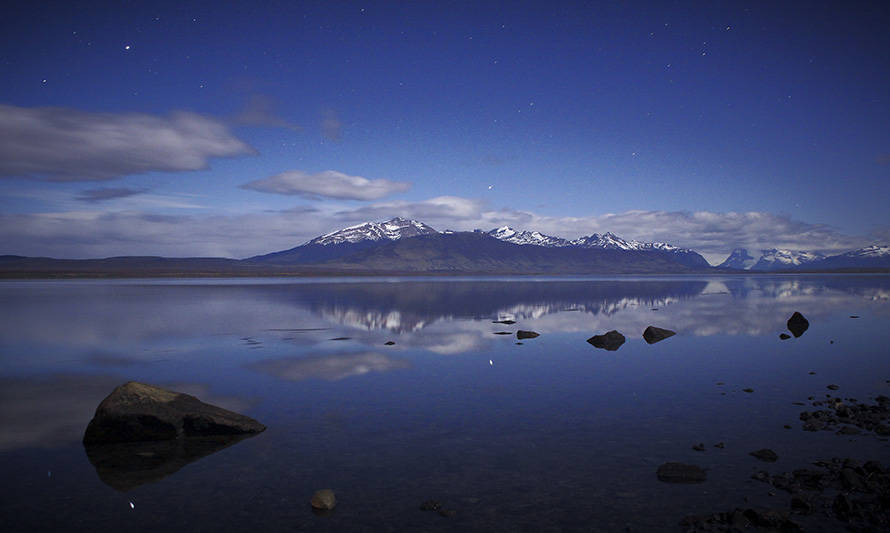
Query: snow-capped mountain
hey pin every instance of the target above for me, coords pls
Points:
(775, 259)
(393, 229)
(868, 252)
(875, 256)
(606, 241)
(739, 259)
(509, 234)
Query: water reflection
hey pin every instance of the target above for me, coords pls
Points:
(125, 466)
(331, 367)
(102, 324)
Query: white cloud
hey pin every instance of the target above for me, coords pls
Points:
(329, 183)
(61, 144)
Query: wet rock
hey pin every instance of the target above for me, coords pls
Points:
(681, 473)
(784, 336)
(323, 500)
(653, 334)
(800, 503)
(611, 340)
(430, 505)
(521, 334)
(797, 324)
(138, 412)
(741, 520)
(766, 455)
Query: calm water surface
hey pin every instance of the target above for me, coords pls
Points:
(548, 435)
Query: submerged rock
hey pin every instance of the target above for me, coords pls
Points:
(680, 473)
(526, 334)
(742, 520)
(610, 341)
(797, 324)
(766, 455)
(323, 500)
(138, 412)
(653, 334)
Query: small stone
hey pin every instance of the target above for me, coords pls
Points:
(341, 338)
(507, 322)
(323, 499)
(611, 340)
(430, 505)
(833, 387)
(388, 343)
(502, 333)
(526, 334)
(784, 336)
(700, 447)
(653, 334)
(766, 455)
(680, 473)
(854, 316)
(786, 426)
(748, 390)
(719, 445)
(812, 373)
(797, 324)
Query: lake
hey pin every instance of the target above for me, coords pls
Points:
(551, 434)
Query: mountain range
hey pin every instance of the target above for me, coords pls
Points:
(870, 257)
(410, 246)
(403, 246)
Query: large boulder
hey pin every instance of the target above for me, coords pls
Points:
(138, 412)
(653, 334)
(611, 340)
(797, 324)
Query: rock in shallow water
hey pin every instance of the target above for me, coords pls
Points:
(680, 473)
(610, 341)
(765, 455)
(323, 500)
(797, 324)
(653, 334)
(138, 412)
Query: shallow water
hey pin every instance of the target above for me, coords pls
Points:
(549, 435)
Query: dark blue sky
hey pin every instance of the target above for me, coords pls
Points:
(203, 128)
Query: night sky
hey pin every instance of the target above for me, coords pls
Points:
(196, 129)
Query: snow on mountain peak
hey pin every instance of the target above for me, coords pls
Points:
(508, 234)
(393, 229)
